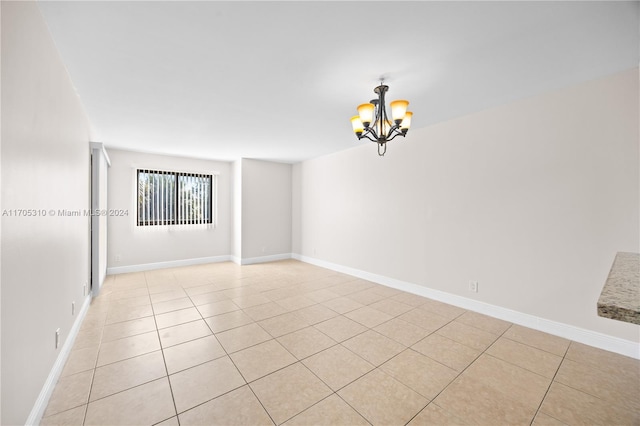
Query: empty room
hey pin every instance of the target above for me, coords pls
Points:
(320, 213)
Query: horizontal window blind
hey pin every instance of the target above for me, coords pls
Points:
(174, 198)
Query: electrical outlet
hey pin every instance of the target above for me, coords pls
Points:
(118, 258)
(73, 308)
(84, 288)
(473, 286)
(57, 337)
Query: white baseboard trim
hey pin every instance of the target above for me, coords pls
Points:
(264, 259)
(168, 264)
(577, 334)
(47, 389)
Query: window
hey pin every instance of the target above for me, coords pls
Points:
(174, 198)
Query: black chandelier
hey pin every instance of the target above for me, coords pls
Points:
(372, 122)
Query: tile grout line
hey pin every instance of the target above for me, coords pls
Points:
(461, 372)
(375, 367)
(164, 360)
(574, 387)
(550, 384)
(93, 376)
(246, 383)
(260, 402)
(282, 368)
(95, 367)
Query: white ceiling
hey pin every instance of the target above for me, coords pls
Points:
(280, 80)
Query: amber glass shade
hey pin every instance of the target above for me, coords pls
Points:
(357, 125)
(406, 121)
(366, 113)
(398, 110)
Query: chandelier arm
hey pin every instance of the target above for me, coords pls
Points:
(380, 120)
(369, 138)
(394, 136)
(383, 106)
(376, 118)
(393, 129)
(371, 131)
(391, 133)
(373, 125)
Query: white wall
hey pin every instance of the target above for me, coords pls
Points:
(254, 214)
(143, 246)
(99, 177)
(532, 199)
(266, 209)
(236, 240)
(45, 165)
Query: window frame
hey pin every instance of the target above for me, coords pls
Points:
(175, 200)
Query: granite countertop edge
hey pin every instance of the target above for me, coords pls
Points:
(620, 297)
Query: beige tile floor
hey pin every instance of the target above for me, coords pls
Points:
(291, 343)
